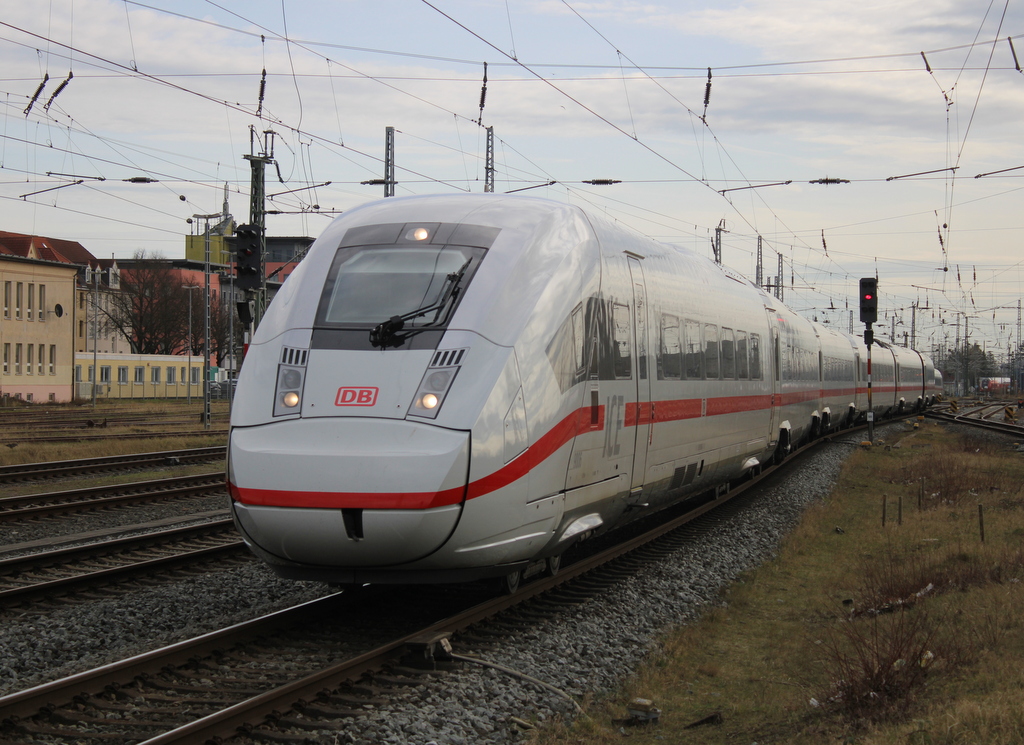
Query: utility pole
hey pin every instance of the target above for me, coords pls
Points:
(207, 407)
(489, 162)
(759, 271)
(717, 247)
(1017, 352)
(95, 325)
(389, 162)
(258, 215)
(913, 325)
(778, 282)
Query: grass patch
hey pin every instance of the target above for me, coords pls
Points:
(186, 432)
(859, 632)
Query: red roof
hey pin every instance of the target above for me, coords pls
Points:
(47, 249)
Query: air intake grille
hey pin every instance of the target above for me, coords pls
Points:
(448, 357)
(293, 356)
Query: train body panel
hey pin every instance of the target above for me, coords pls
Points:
(452, 387)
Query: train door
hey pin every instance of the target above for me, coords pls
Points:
(644, 407)
(774, 370)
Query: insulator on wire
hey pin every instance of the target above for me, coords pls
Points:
(707, 97)
(263, 91)
(60, 88)
(483, 96)
(32, 101)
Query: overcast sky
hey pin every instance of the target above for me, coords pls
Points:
(890, 96)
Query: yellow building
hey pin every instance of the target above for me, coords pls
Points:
(37, 329)
(139, 376)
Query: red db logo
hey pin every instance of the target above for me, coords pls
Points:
(356, 397)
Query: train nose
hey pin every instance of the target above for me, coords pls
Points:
(374, 492)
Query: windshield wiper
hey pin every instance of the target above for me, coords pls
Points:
(386, 334)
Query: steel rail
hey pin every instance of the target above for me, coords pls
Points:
(22, 471)
(107, 550)
(93, 497)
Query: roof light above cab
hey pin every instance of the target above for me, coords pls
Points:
(417, 234)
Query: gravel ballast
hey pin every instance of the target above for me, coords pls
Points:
(588, 649)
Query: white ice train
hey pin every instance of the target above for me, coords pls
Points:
(455, 387)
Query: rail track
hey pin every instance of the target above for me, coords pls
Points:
(57, 572)
(290, 672)
(983, 416)
(101, 497)
(85, 466)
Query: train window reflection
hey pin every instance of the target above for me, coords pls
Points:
(368, 285)
(693, 360)
(711, 368)
(742, 367)
(621, 323)
(728, 355)
(755, 356)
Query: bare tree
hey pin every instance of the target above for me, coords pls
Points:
(151, 308)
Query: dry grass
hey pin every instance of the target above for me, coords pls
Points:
(899, 634)
(180, 435)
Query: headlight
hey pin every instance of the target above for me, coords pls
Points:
(288, 394)
(432, 391)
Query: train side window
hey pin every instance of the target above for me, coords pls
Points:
(711, 366)
(742, 366)
(670, 351)
(755, 356)
(694, 357)
(621, 336)
(728, 347)
(577, 336)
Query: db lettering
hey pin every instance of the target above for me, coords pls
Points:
(356, 397)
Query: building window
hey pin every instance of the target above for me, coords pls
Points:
(183, 378)
(42, 302)
(105, 374)
(78, 373)
(81, 329)
(31, 301)
(28, 360)
(17, 359)
(195, 375)
(7, 299)
(122, 375)
(53, 359)
(39, 358)
(140, 374)
(7, 358)
(170, 375)
(92, 373)
(154, 375)
(18, 289)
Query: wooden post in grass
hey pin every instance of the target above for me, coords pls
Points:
(899, 511)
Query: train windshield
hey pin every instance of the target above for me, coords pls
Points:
(372, 284)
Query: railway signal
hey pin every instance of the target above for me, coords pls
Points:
(869, 316)
(249, 257)
(869, 300)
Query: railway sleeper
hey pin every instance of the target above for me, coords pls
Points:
(328, 712)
